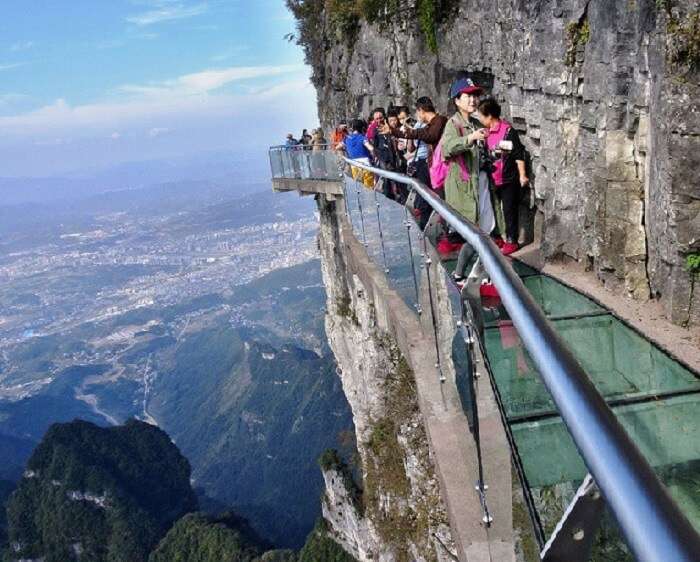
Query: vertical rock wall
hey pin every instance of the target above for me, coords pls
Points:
(612, 127)
(399, 515)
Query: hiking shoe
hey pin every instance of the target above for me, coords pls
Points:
(444, 246)
(459, 280)
(487, 289)
(508, 248)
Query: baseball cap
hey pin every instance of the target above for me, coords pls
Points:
(465, 86)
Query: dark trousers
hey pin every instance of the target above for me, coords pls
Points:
(423, 176)
(509, 196)
(388, 186)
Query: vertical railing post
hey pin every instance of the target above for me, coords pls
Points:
(407, 224)
(472, 376)
(362, 217)
(381, 234)
(428, 263)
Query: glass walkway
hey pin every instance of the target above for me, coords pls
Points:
(656, 398)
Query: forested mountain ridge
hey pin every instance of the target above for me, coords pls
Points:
(98, 494)
(123, 494)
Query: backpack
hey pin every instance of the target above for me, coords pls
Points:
(440, 167)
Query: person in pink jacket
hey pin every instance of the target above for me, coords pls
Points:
(509, 174)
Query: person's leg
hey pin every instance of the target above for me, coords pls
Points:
(510, 197)
(423, 176)
(388, 187)
(487, 217)
(401, 193)
(465, 256)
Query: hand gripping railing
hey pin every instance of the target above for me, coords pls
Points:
(655, 528)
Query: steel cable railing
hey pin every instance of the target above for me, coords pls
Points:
(655, 528)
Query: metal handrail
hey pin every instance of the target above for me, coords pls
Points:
(655, 528)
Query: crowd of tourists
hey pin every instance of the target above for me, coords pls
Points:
(473, 159)
(307, 141)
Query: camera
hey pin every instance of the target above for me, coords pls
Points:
(487, 158)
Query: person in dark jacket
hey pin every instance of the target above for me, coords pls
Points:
(387, 156)
(508, 173)
(403, 146)
(428, 136)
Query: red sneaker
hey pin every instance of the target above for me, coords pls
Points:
(488, 290)
(508, 248)
(498, 241)
(444, 246)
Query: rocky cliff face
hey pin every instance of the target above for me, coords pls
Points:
(603, 92)
(399, 514)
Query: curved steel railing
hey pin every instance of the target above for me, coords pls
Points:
(655, 528)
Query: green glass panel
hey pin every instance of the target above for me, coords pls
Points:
(449, 265)
(620, 363)
(398, 250)
(666, 431)
(554, 298)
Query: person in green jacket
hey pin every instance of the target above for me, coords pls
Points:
(474, 199)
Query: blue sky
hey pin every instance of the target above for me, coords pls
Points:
(88, 83)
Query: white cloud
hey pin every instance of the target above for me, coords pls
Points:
(61, 136)
(207, 80)
(61, 119)
(158, 131)
(167, 10)
(22, 46)
(11, 65)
